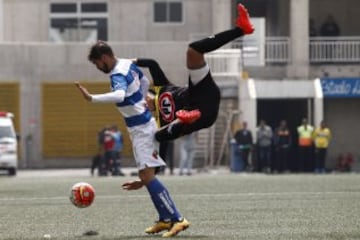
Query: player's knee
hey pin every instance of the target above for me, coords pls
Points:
(146, 175)
(194, 59)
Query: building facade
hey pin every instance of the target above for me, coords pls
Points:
(44, 45)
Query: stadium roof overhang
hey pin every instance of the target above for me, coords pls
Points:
(249, 91)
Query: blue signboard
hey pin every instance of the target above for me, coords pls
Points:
(341, 87)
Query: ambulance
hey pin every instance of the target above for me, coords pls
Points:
(8, 144)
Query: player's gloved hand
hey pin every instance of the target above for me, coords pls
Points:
(188, 117)
(132, 185)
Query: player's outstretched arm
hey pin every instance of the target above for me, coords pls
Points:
(83, 91)
(115, 96)
(156, 72)
(134, 185)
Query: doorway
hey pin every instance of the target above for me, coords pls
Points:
(291, 110)
(275, 110)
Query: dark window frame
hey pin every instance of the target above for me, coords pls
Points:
(170, 16)
(85, 11)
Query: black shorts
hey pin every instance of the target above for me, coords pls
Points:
(204, 96)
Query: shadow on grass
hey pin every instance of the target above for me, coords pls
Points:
(99, 237)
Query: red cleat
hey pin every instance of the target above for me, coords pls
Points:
(243, 20)
(188, 117)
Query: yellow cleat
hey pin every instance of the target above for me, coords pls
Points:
(176, 228)
(158, 227)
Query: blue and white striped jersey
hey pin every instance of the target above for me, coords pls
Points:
(126, 76)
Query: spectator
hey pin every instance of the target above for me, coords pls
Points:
(95, 163)
(109, 143)
(97, 160)
(345, 162)
(321, 136)
(244, 141)
(312, 33)
(187, 153)
(330, 29)
(166, 152)
(305, 146)
(117, 149)
(264, 136)
(282, 142)
(312, 28)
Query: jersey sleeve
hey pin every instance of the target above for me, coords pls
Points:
(144, 81)
(118, 82)
(157, 74)
(118, 90)
(114, 96)
(145, 84)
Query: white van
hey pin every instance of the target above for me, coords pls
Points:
(8, 144)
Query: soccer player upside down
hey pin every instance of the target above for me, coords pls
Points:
(197, 105)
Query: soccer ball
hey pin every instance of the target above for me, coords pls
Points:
(82, 194)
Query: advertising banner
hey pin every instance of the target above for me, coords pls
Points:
(341, 87)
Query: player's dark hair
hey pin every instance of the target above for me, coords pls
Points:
(98, 49)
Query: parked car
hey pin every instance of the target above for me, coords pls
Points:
(8, 144)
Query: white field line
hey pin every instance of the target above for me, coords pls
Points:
(201, 195)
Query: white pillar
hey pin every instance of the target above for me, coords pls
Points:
(1, 21)
(248, 103)
(318, 103)
(221, 9)
(299, 39)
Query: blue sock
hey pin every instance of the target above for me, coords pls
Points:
(162, 201)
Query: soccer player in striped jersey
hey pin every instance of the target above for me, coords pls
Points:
(128, 86)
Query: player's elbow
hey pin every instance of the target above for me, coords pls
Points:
(151, 63)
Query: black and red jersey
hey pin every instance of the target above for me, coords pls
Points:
(169, 99)
(204, 96)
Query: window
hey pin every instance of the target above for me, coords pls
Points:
(93, 7)
(78, 22)
(63, 8)
(168, 12)
(6, 132)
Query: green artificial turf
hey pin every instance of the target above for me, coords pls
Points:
(223, 206)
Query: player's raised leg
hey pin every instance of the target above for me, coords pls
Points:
(195, 54)
(198, 70)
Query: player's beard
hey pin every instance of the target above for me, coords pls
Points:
(106, 69)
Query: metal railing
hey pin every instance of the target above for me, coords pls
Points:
(277, 50)
(334, 50)
(225, 62)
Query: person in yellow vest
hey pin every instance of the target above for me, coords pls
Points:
(321, 136)
(305, 146)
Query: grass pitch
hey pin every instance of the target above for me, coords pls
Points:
(222, 206)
